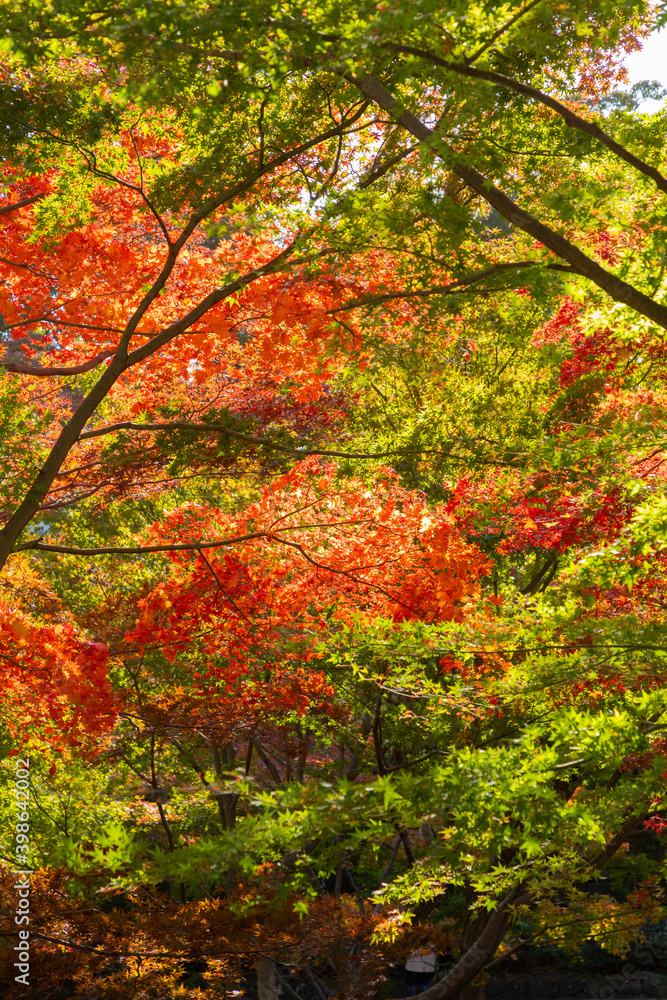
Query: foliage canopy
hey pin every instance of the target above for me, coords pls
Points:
(332, 607)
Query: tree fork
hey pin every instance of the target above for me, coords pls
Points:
(120, 362)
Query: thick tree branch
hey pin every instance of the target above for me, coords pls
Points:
(612, 846)
(13, 206)
(407, 846)
(571, 119)
(480, 952)
(121, 360)
(181, 325)
(533, 584)
(618, 289)
(354, 762)
(386, 874)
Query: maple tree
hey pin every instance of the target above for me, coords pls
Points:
(332, 606)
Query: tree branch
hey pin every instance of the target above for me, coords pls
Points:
(616, 288)
(137, 549)
(449, 288)
(386, 874)
(48, 372)
(611, 847)
(479, 953)
(251, 439)
(569, 117)
(122, 360)
(533, 584)
(501, 30)
(6, 209)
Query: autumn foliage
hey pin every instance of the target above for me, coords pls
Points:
(332, 607)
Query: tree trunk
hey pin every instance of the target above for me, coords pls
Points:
(267, 987)
(478, 954)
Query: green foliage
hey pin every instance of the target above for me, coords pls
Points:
(448, 760)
